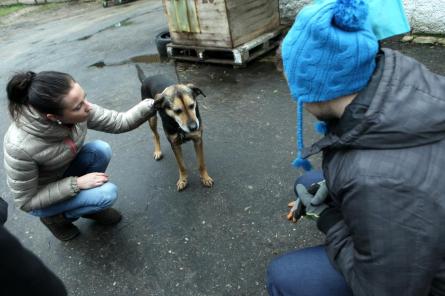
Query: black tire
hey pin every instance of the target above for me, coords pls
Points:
(162, 39)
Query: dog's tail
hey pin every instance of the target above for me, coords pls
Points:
(141, 74)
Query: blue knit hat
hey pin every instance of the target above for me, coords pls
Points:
(328, 53)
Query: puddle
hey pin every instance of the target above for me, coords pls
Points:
(124, 23)
(100, 64)
(144, 59)
(84, 38)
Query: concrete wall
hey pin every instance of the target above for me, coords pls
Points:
(425, 16)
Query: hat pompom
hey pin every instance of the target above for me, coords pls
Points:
(350, 15)
(302, 163)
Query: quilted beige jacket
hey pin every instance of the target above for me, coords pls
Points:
(36, 153)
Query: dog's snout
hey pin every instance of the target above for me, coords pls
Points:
(193, 126)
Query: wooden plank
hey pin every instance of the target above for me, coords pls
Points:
(213, 23)
(202, 39)
(251, 18)
(192, 16)
(170, 13)
(180, 7)
(252, 15)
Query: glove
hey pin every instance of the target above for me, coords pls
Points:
(296, 211)
(315, 204)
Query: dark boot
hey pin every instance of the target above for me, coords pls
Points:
(61, 227)
(108, 216)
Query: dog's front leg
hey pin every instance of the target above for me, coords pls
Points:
(206, 180)
(153, 122)
(182, 181)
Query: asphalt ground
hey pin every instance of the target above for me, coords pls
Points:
(200, 241)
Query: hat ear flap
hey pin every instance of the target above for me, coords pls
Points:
(300, 162)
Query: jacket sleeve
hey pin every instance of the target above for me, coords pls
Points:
(379, 244)
(111, 121)
(3, 211)
(22, 179)
(22, 272)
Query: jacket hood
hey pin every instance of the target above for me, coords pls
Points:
(34, 123)
(407, 109)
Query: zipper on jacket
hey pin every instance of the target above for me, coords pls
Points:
(71, 144)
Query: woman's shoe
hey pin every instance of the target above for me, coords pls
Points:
(108, 217)
(62, 228)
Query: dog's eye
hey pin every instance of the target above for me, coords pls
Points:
(178, 111)
(191, 106)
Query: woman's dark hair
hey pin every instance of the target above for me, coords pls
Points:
(44, 91)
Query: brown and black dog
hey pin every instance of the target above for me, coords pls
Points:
(178, 108)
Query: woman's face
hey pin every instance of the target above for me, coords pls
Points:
(76, 107)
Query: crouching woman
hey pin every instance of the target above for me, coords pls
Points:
(51, 172)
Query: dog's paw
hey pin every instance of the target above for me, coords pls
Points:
(207, 181)
(181, 184)
(157, 155)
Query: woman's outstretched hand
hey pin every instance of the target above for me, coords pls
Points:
(92, 180)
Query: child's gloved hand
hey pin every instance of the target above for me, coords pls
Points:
(296, 211)
(315, 204)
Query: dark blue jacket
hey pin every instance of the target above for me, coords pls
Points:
(387, 176)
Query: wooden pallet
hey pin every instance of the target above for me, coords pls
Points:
(238, 56)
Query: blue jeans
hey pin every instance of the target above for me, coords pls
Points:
(93, 157)
(305, 272)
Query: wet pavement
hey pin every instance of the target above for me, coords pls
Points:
(200, 241)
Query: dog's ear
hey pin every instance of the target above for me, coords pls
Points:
(160, 102)
(196, 90)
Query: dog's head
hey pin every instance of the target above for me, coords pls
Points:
(179, 102)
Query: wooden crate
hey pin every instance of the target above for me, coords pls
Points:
(220, 23)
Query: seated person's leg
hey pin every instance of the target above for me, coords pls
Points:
(94, 203)
(309, 178)
(85, 202)
(306, 272)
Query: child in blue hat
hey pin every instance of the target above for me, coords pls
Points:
(380, 197)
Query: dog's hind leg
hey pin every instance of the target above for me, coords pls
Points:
(182, 181)
(206, 180)
(153, 122)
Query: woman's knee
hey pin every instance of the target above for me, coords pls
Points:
(101, 148)
(108, 192)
